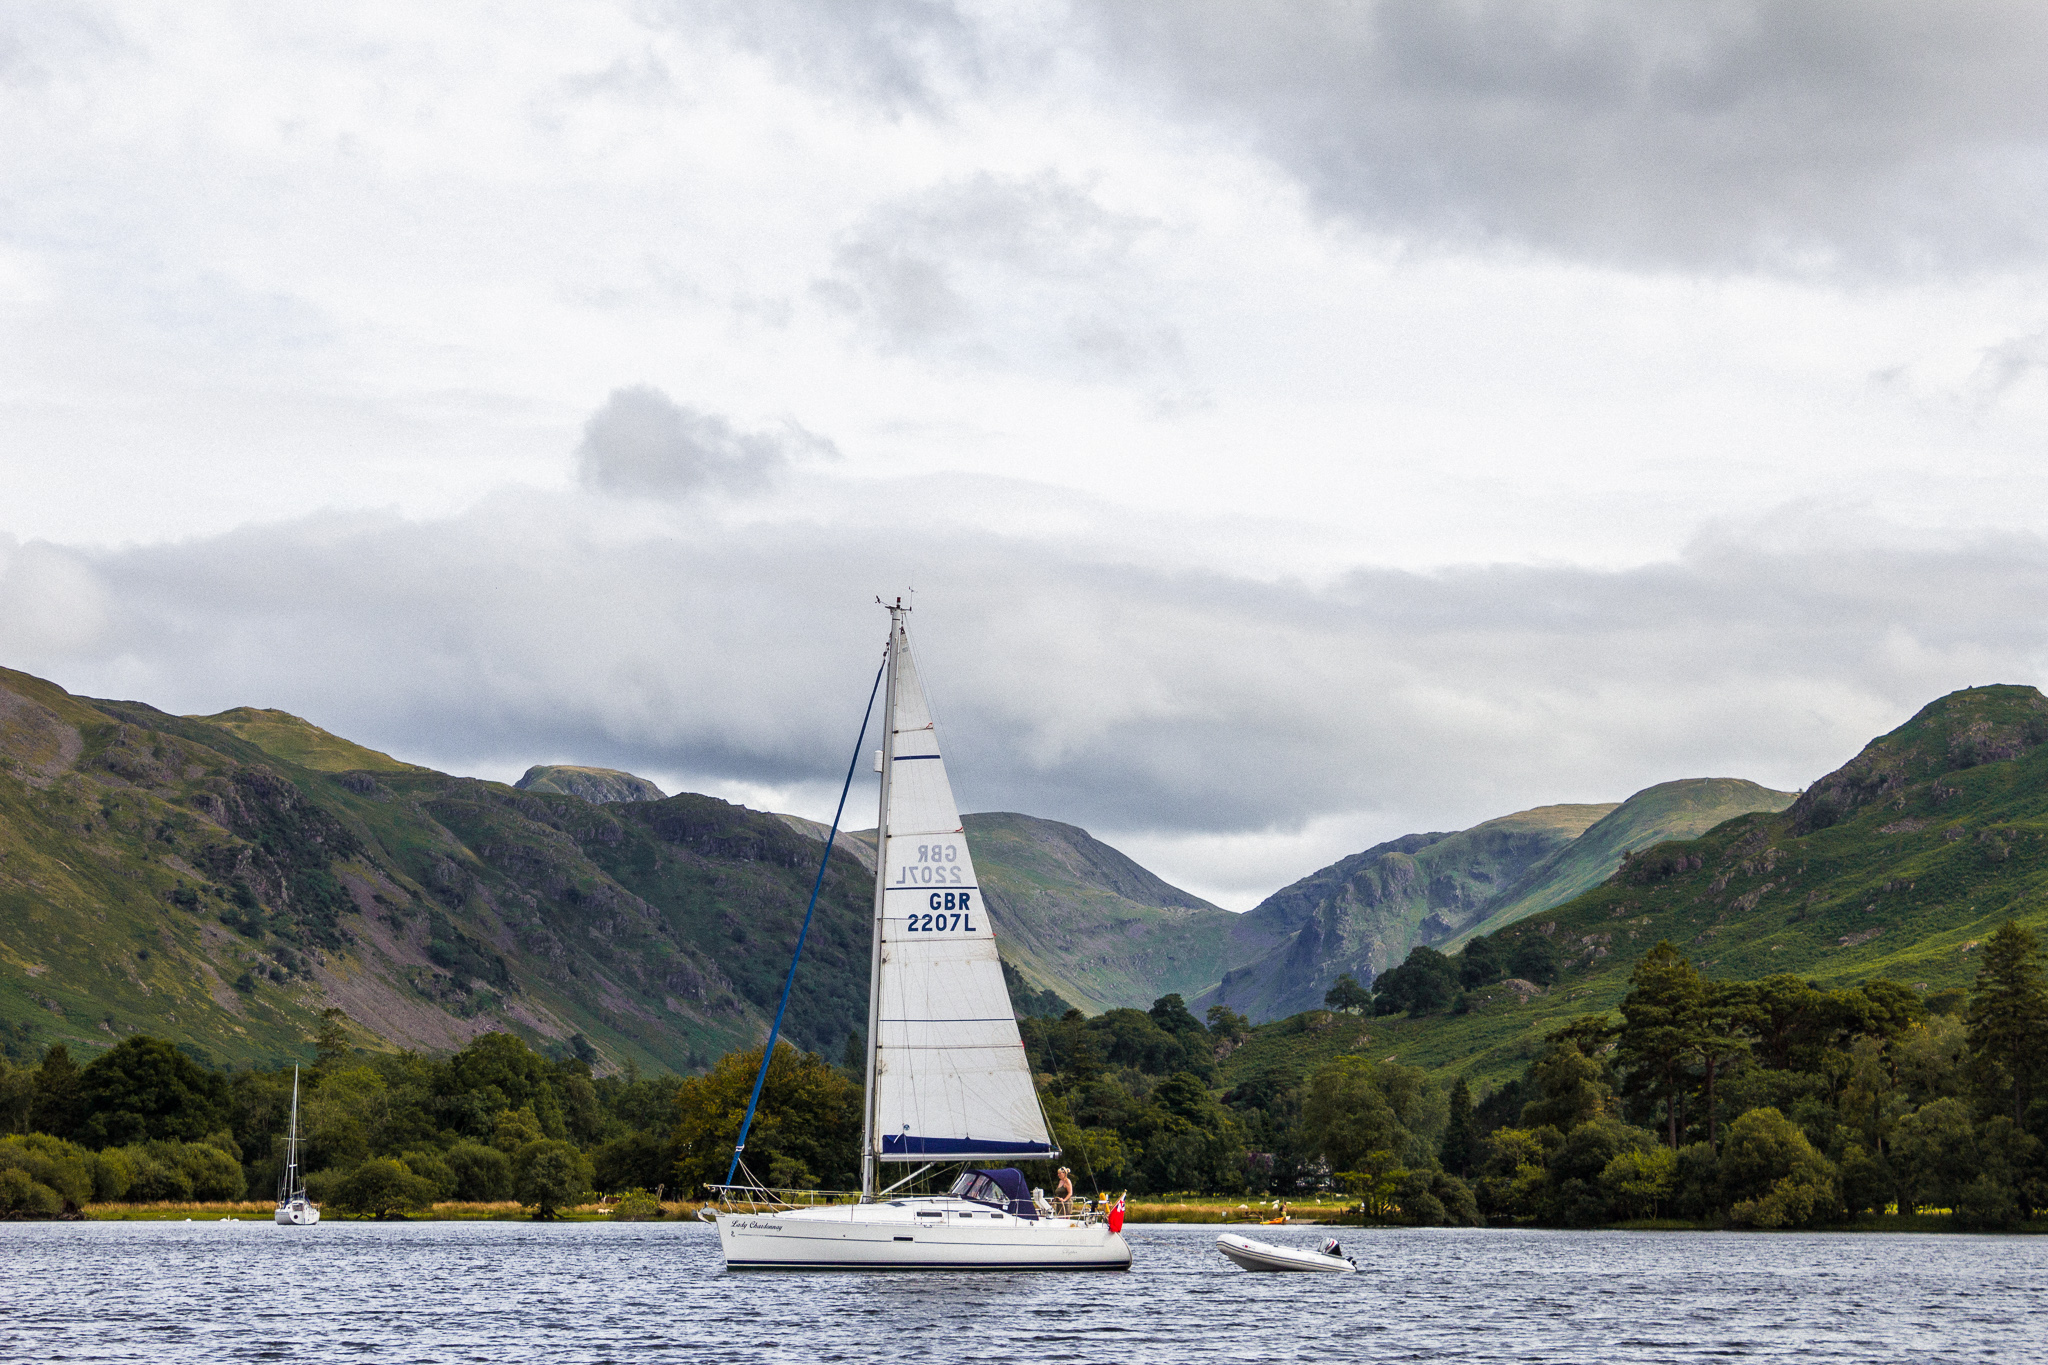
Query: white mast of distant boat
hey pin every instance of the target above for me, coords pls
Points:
(293, 1208)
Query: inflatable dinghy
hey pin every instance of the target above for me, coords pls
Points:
(1265, 1256)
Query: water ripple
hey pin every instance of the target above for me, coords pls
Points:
(488, 1292)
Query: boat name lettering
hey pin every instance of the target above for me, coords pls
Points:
(924, 874)
(961, 921)
(748, 1225)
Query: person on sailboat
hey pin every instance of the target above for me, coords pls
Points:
(1063, 1197)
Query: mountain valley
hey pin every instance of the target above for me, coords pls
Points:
(226, 881)
(1897, 866)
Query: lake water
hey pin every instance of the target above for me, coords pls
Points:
(161, 1292)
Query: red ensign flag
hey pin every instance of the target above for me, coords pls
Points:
(1116, 1216)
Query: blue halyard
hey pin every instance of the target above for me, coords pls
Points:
(775, 1030)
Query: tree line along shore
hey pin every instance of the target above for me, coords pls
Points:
(1765, 1104)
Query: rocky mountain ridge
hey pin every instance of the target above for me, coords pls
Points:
(1362, 914)
(598, 786)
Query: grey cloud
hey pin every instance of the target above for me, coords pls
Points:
(644, 78)
(52, 601)
(1785, 134)
(2006, 364)
(902, 56)
(642, 443)
(1126, 698)
(45, 40)
(1031, 272)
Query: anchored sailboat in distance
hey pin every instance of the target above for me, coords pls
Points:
(947, 1077)
(293, 1208)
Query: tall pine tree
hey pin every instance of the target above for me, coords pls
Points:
(56, 1099)
(2008, 1019)
(1664, 1031)
(1457, 1149)
(1726, 1011)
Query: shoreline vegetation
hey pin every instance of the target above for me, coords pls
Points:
(1194, 1210)
(1773, 1104)
(443, 1211)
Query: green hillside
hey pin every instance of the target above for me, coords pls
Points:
(1078, 918)
(1360, 915)
(221, 880)
(1896, 866)
(1081, 919)
(284, 735)
(185, 877)
(1655, 815)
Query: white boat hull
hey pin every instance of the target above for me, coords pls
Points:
(297, 1215)
(294, 1210)
(1265, 1256)
(925, 1233)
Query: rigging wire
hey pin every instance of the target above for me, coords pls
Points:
(1087, 1166)
(768, 1052)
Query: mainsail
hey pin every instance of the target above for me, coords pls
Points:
(949, 1077)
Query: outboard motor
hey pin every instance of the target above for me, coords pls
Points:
(1330, 1248)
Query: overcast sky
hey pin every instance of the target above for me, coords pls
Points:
(1301, 424)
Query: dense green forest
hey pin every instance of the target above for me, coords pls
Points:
(381, 1133)
(1773, 1103)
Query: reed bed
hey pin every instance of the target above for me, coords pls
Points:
(1196, 1209)
(164, 1212)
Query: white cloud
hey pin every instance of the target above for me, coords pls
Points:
(1305, 424)
(1175, 706)
(1022, 274)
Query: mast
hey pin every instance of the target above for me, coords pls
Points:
(291, 1142)
(870, 1143)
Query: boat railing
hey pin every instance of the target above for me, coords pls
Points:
(761, 1199)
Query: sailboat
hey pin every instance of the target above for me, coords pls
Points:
(948, 1080)
(293, 1208)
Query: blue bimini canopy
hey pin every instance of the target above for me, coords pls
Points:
(1004, 1188)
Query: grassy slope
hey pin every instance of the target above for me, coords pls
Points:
(1363, 913)
(428, 907)
(89, 950)
(1077, 916)
(284, 735)
(1924, 859)
(1670, 810)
